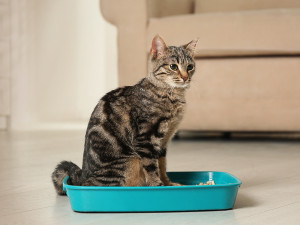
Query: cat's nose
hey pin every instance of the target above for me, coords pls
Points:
(185, 77)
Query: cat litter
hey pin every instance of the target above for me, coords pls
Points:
(211, 182)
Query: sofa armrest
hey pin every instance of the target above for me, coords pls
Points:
(165, 8)
(130, 17)
(124, 12)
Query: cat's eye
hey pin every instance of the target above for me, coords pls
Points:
(190, 67)
(173, 67)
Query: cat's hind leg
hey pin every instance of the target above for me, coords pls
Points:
(134, 174)
(129, 174)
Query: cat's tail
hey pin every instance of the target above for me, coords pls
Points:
(62, 170)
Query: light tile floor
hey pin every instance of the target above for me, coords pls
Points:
(270, 171)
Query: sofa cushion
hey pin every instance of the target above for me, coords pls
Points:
(205, 6)
(261, 32)
(244, 94)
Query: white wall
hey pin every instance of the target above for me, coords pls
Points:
(71, 61)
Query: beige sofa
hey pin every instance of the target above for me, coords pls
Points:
(248, 57)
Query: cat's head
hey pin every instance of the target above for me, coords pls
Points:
(171, 65)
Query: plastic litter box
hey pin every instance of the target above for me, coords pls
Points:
(190, 197)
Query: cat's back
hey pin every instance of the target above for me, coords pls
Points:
(111, 103)
(126, 96)
(143, 98)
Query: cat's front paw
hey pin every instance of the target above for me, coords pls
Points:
(174, 184)
(155, 183)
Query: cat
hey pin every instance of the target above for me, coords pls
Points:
(129, 130)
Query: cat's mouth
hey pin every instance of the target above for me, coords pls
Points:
(181, 83)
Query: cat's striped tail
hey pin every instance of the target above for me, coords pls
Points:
(62, 170)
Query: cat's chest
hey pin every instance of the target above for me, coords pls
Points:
(157, 121)
(176, 115)
(174, 107)
(163, 108)
(166, 115)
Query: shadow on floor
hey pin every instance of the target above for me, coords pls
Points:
(244, 201)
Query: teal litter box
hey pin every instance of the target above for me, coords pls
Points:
(190, 197)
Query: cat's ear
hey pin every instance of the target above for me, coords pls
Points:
(158, 48)
(191, 46)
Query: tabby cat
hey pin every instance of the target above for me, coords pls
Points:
(129, 130)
